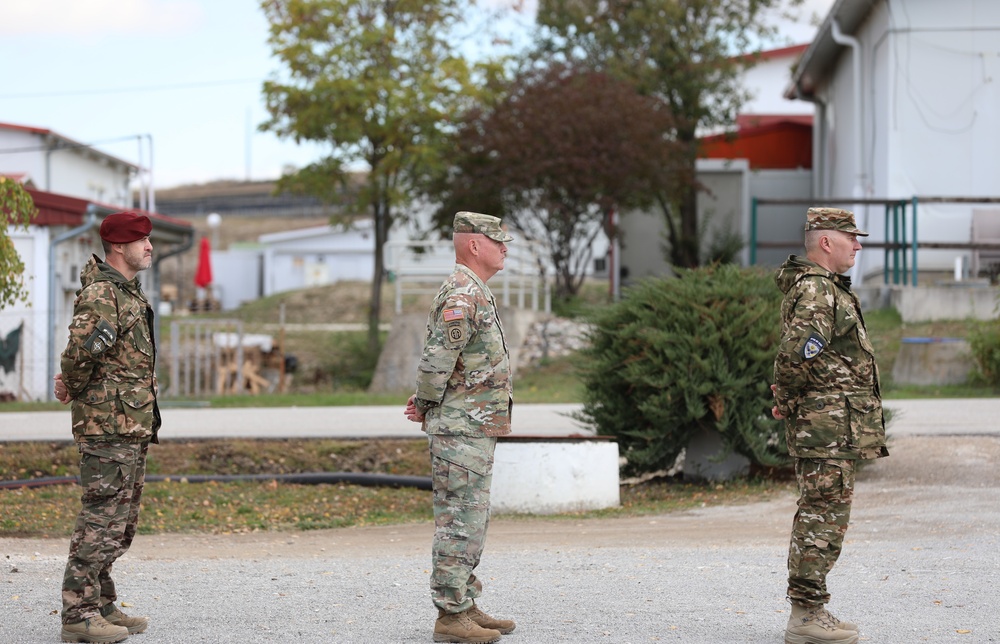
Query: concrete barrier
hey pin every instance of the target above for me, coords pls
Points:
(548, 475)
(932, 361)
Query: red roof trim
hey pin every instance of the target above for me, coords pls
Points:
(63, 210)
(770, 54)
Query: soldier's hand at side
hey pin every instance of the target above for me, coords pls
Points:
(411, 412)
(774, 410)
(60, 390)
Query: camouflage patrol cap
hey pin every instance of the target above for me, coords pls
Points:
(474, 222)
(125, 227)
(832, 219)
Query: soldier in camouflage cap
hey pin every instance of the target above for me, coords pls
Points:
(827, 391)
(464, 398)
(832, 219)
(108, 374)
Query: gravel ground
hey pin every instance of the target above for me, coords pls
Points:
(921, 565)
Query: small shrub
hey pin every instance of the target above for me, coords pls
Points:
(677, 356)
(984, 343)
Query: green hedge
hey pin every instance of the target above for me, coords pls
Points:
(679, 355)
(984, 343)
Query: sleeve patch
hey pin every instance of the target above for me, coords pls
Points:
(450, 315)
(813, 347)
(103, 337)
(455, 333)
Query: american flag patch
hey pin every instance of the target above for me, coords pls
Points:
(451, 315)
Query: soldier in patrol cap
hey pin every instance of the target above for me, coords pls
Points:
(463, 400)
(827, 391)
(109, 377)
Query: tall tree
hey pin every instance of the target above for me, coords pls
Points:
(684, 52)
(16, 209)
(379, 81)
(556, 155)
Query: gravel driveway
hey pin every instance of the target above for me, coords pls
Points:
(921, 565)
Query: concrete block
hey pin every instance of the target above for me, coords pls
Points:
(933, 303)
(932, 361)
(701, 459)
(545, 475)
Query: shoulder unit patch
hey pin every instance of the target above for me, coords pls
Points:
(813, 347)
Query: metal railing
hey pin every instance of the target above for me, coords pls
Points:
(900, 246)
(419, 267)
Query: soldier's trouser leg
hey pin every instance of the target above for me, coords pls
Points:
(461, 519)
(826, 487)
(108, 593)
(107, 476)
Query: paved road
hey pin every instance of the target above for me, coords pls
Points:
(287, 422)
(937, 417)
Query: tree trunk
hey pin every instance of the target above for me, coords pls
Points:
(375, 304)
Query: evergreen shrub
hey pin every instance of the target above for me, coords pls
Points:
(984, 344)
(681, 355)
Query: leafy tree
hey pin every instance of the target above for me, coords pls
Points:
(556, 155)
(678, 356)
(684, 52)
(16, 209)
(379, 81)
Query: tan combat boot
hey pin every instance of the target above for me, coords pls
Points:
(460, 629)
(847, 626)
(478, 616)
(118, 618)
(93, 629)
(814, 625)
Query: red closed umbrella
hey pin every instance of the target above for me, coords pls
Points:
(203, 274)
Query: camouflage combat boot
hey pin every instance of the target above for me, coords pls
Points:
(478, 616)
(114, 616)
(460, 629)
(93, 629)
(814, 625)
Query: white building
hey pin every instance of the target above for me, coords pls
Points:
(906, 100)
(55, 163)
(87, 185)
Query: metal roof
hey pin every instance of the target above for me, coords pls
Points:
(67, 142)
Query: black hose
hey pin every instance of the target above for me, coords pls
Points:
(304, 478)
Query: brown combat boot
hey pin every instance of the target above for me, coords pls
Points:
(478, 616)
(814, 625)
(93, 629)
(115, 616)
(460, 629)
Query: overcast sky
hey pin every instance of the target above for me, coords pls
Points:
(186, 72)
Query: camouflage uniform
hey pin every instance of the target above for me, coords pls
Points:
(108, 368)
(828, 392)
(464, 391)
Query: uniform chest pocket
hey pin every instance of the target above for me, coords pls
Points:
(135, 330)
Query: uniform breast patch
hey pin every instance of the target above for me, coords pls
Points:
(813, 347)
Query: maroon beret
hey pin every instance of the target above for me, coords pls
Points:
(125, 227)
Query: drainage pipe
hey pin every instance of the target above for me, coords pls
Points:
(303, 478)
(89, 223)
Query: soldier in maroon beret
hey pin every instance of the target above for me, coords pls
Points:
(125, 227)
(109, 377)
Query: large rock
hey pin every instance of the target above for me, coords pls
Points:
(397, 365)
